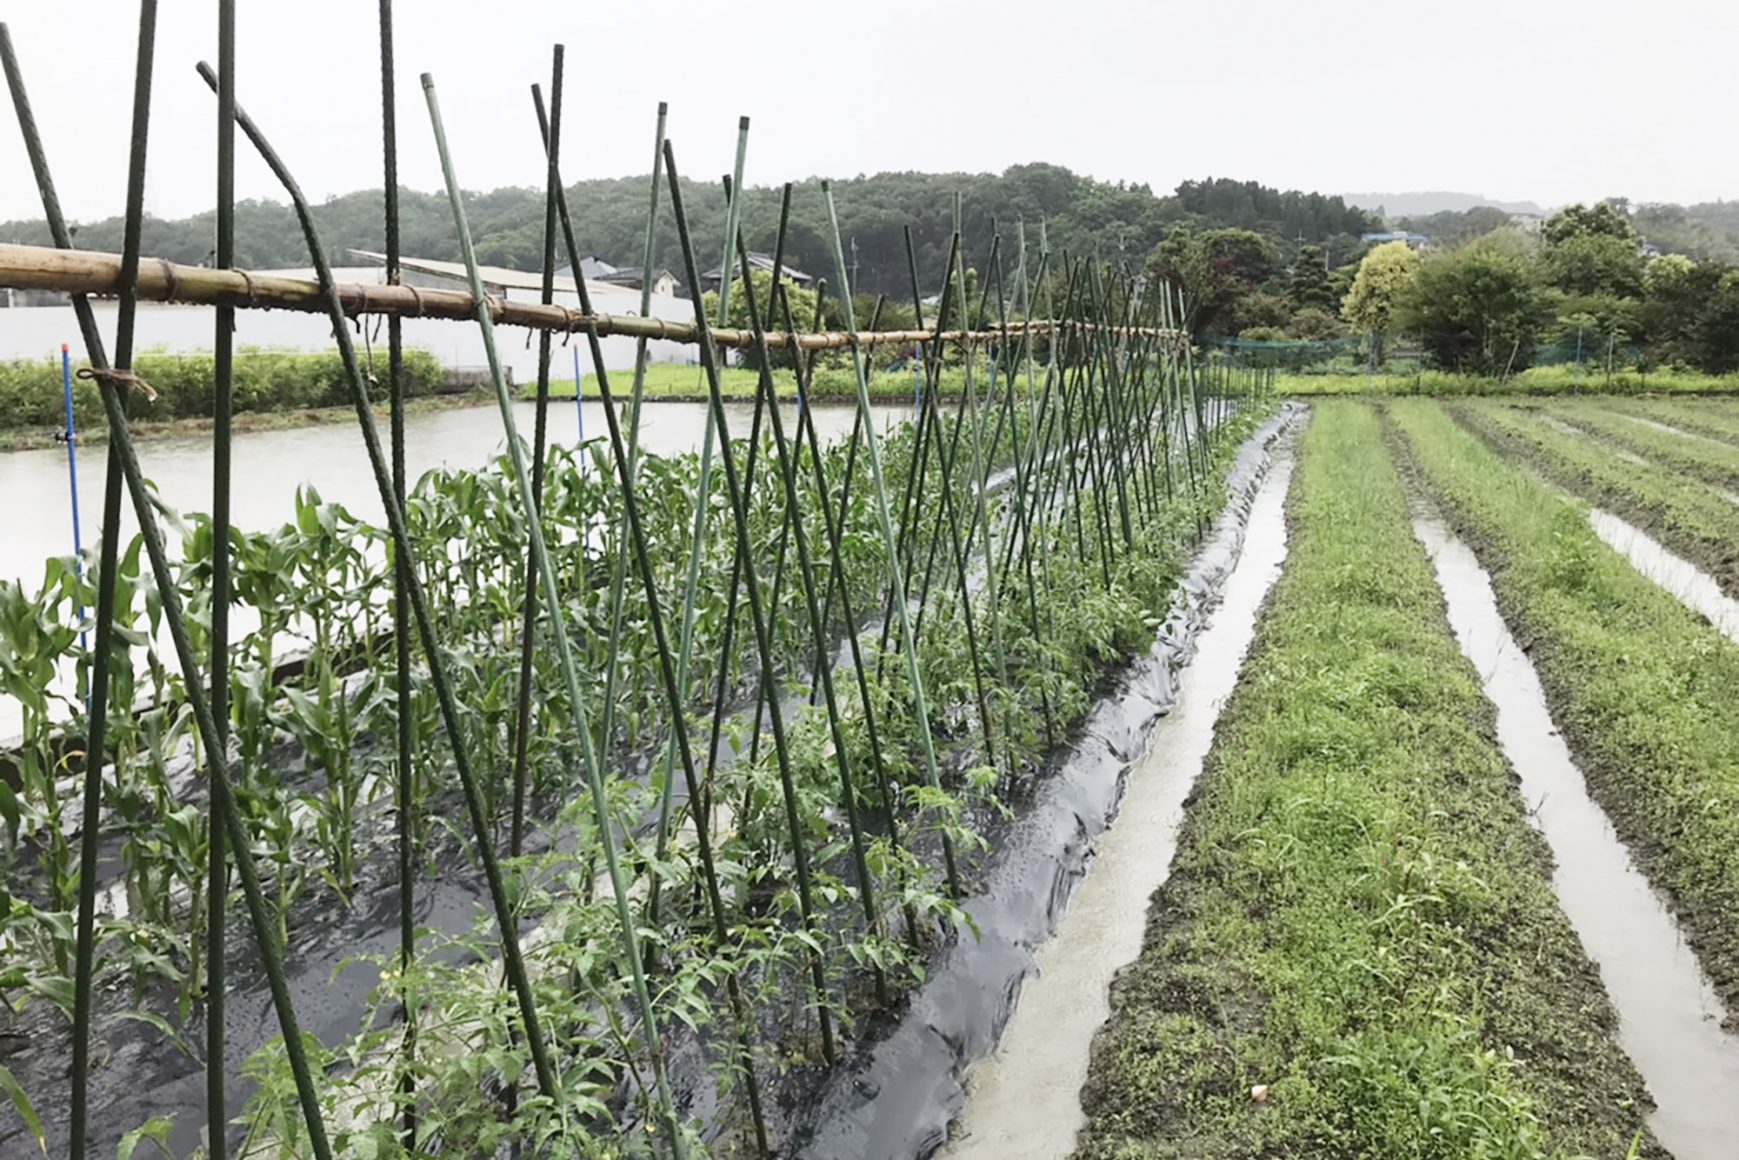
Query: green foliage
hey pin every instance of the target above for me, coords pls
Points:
(1603, 219)
(24, 1108)
(264, 380)
(1309, 288)
(1315, 324)
(1220, 272)
(1594, 263)
(1452, 227)
(1383, 279)
(1477, 309)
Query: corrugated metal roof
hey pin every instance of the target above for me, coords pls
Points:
(499, 276)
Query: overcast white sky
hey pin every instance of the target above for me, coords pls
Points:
(1548, 100)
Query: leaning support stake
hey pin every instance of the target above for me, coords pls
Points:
(624, 460)
(896, 575)
(576, 696)
(401, 543)
(757, 612)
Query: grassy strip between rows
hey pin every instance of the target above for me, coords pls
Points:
(1359, 915)
(1641, 686)
(1687, 515)
(1715, 418)
(1710, 461)
(1550, 380)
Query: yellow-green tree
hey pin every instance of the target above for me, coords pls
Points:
(1383, 278)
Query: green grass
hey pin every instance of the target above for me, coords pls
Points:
(1684, 513)
(663, 381)
(1716, 418)
(1641, 686)
(1359, 914)
(1712, 462)
(1552, 380)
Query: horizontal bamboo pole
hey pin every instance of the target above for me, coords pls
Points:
(160, 280)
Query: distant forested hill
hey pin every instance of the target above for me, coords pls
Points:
(1417, 205)
(1081, 215)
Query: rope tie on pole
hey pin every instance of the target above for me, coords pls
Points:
(170, 279)
(118, 378)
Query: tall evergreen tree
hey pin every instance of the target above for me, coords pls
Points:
(1309, 285)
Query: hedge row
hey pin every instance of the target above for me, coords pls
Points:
(265, 380)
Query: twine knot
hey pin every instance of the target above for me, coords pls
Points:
(118, 378)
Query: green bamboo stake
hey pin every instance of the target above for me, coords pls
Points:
(917, 467)
(806, 428)
(703, 484)
(806, 574)
(920, 705)
(980, 476)
(739, 514)
(528, 622)
(1022, 512)
(404, 789)
(84, 968)
(618, 578)
(624, 459)
(223, 374)
(570, 673)
(723, 677)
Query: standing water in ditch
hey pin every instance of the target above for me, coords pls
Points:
(1670, 1020)
(1693, 587)
(1025, 1099)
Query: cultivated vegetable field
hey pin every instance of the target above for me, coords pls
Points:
(1359, 951)
(599, 804)
(596, 803)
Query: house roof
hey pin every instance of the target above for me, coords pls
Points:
(759, 262)
(491, 275)
(632, 277)
(590, 266)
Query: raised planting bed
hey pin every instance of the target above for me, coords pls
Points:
(1686, 514)
(1641, 686)
(1358, 952)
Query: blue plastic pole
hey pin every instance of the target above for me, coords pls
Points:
(71, 437)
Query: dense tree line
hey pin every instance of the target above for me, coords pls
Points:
(1081, 216)
(1586, 288)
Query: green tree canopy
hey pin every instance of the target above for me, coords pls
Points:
(1602, 219)
(1594, 263)
(1477, 309)
(1218, 271)
(1384, 275)
(1309, 286)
